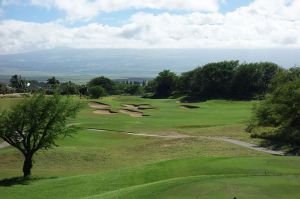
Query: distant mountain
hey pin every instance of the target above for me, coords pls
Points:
(123, 63)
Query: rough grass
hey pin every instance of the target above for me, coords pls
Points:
(93, 152)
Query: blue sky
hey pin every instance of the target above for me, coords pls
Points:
(44, 24)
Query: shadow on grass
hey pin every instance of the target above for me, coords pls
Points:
(289, 149)
(7, 182)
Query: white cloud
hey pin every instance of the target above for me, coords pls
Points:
(87, 9)
(263, 24)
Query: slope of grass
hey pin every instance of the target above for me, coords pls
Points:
(217, 175)
(92, 152)
(212, 187)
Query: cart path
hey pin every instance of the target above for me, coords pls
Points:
(3, 145)
(224, 139)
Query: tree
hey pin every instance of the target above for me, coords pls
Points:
(96, 91)
(164, 84)
(133, 89)
(216, 78)
(68, 88)
(277, 117)
(253, 79)
(36, 124)
(53, 82)
(83, 90)
(3, 89)
(212, 80)
(18, 83)
(284, 76)
(105, 83)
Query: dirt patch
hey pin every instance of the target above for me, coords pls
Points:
(99, 105)
(187, 106)
(132, 113)
(14, 95)
(104, 112)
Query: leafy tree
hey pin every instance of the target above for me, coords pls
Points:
(277, 117)
(284, 76)
(185, 82)
(253, 79)
(133, 89)
(150, 87)
(83, 90)
(36, 124)
(164, 84)
(18, 83)
(216, 79)
(105, 83)
(96, 91)
(53, 82)
(68, 88)
(209, 81)
(3, 89)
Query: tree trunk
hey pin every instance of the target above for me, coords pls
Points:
(27, 166)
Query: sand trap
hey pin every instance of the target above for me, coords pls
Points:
(130, 106)
(186, 106)
(145, 107)
(98, 105)
(138, 106)
(104, 112)
(132, 113)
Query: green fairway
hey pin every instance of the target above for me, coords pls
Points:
(213, 175)
(215, 117)
(113, 164)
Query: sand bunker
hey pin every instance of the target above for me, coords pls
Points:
(104, 112)
(186, 106)
(129, 106)
(138, 106)
(132, 113)
(98, 105)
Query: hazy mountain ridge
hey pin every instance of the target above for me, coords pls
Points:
(123, 63)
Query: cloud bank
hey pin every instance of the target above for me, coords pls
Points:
(262, 24)
(86, 9)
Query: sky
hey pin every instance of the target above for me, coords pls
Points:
(32, 25)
